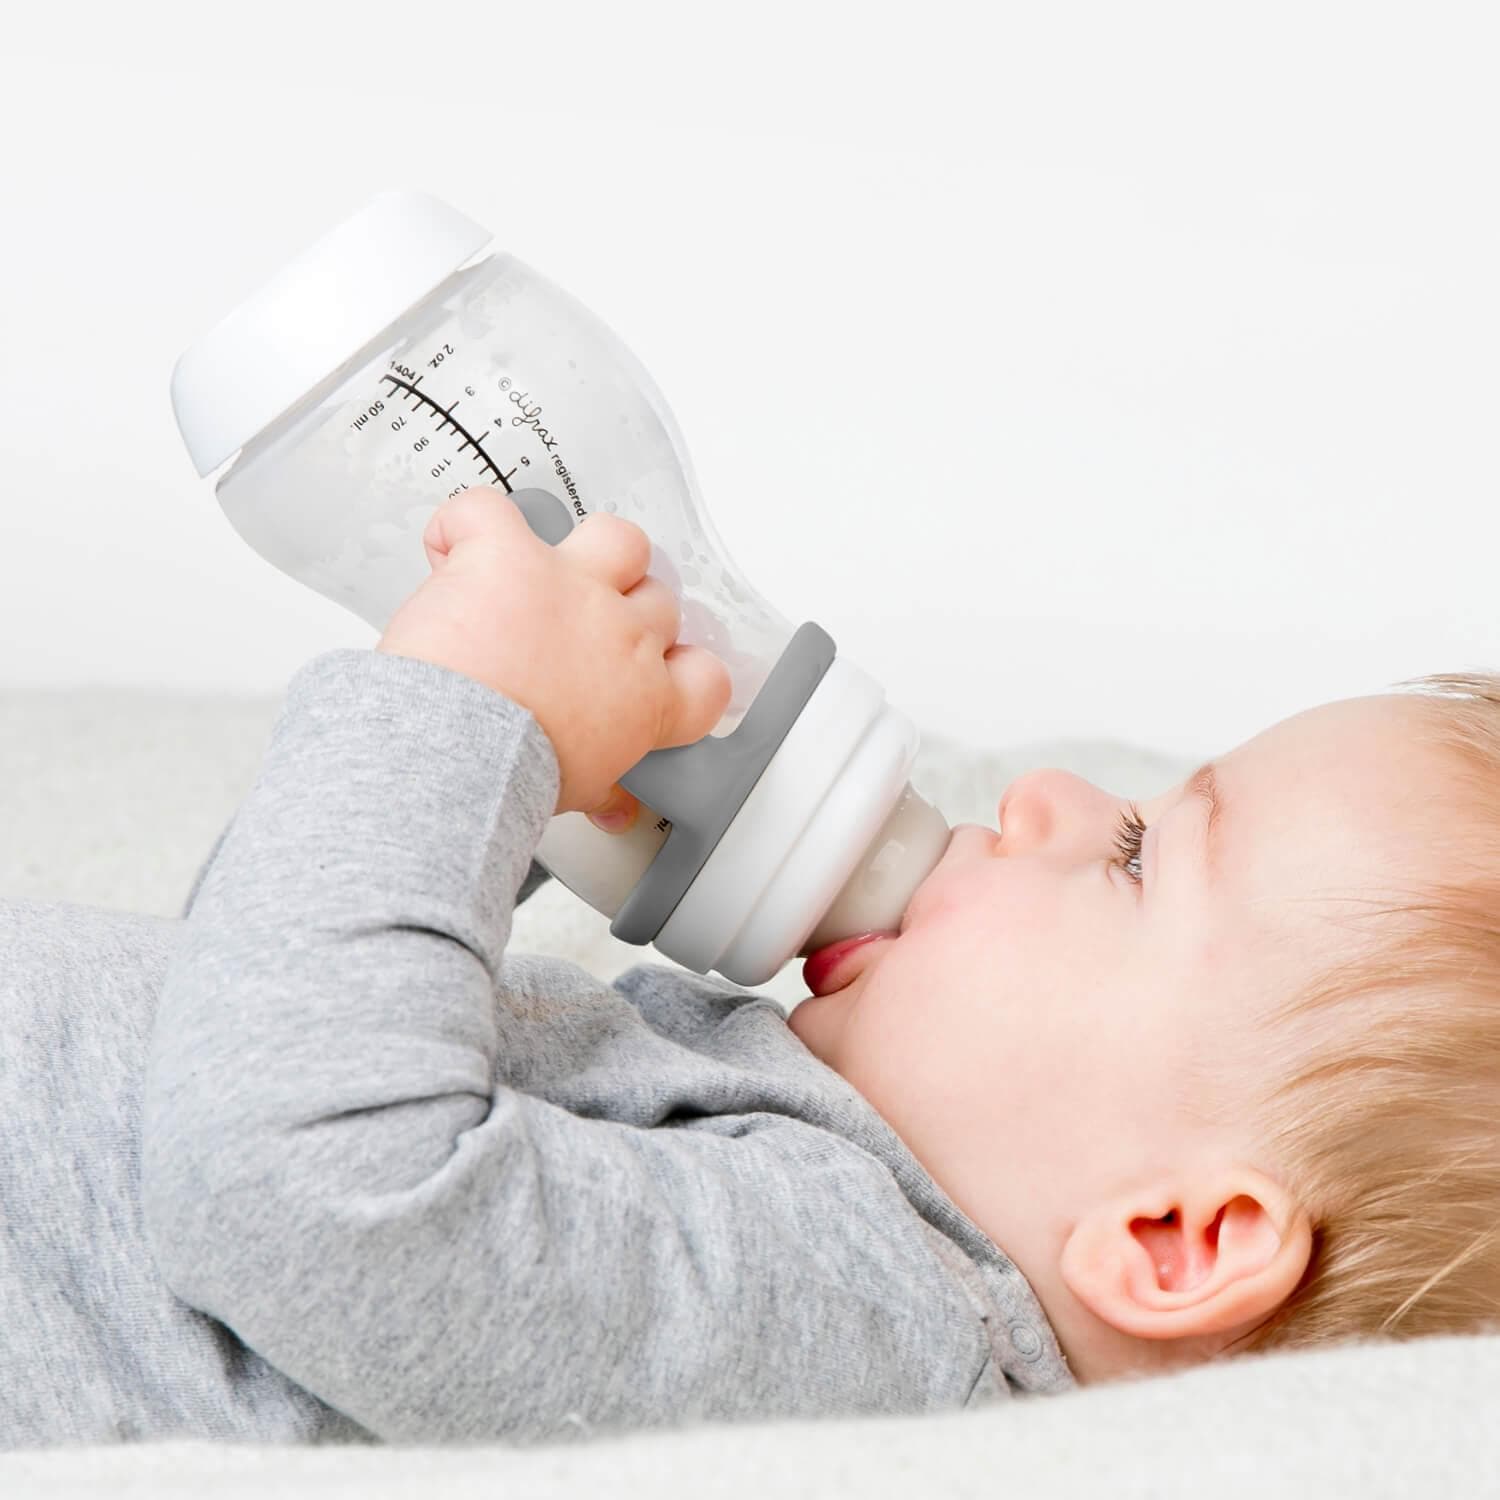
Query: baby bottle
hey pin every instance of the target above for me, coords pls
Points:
(404, 357)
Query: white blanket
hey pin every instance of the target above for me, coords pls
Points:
(113, 797)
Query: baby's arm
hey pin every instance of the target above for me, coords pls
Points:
(536, 876)
(334, 1167)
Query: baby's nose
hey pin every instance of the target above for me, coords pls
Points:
(1050, 806)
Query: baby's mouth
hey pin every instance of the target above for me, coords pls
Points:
(836, 965)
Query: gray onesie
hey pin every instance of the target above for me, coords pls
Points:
(319, 1160)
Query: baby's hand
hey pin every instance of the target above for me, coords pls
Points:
(577, 633)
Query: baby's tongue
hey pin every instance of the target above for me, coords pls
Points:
(834, 965)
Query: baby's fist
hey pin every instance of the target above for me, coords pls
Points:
(577, 633)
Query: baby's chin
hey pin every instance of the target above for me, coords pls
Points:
(835, 975)
(817, 1022)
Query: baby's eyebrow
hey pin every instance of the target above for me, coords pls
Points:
(1204, 784)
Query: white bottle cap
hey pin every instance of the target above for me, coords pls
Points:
(313, 315)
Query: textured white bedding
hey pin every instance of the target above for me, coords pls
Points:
(112, 797)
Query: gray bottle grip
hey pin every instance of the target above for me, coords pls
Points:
(699, 787)
(547, 516)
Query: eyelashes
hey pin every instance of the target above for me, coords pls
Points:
(1128, 836)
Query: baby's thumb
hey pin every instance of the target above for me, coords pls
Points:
(617, 812)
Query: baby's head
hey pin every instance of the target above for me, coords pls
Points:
(1250, 1101)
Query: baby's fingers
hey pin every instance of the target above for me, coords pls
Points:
(617, 812)
(700, 694)
(479, 511)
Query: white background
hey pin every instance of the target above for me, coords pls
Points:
(1118, 371)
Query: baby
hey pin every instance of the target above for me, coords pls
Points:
(1179, 1167)
(1133, 1087)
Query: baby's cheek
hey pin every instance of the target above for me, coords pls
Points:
(1014, 907)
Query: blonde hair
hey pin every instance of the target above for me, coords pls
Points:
(1387, 1126)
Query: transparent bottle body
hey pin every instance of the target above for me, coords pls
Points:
(498, 377)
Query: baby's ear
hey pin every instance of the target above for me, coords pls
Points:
(1181, 1258)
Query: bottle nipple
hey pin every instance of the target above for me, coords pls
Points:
(900, 857)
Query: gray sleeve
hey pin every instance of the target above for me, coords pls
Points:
(536, 876)
(204, 868)
(333, 1168)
